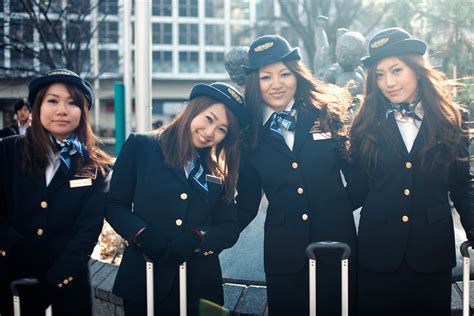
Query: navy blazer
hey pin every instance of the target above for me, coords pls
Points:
(47, 232)
(307, 199)
(145, 192)
(406, 212)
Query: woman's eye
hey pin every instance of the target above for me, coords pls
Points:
(397, 70)
(378, 75)
(209, 119)
(264, 77)
(223, 130)
(286, 74)
(52, 101)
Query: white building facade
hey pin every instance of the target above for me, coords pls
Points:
(189, 40)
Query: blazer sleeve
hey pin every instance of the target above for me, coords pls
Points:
(249, 193)
(119, 212)
(357, 184)
(9, 237)
(461, 189)
(225, 231)
(86, 230)
(356, 180)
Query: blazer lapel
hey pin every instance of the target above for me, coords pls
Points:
(401, 144)
(276, 143)
(60, 178)
(181, 176)
(214, 191)
(419, 139)
(304, 122)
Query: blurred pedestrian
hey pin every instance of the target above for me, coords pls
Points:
(23, 120)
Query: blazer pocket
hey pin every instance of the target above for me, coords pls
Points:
(437, 213)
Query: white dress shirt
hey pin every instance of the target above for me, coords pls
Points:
(53, 166)
(409, 126)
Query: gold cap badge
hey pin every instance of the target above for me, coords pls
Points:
(263, 47)
(59, 72)
(234, 95)
(379, 43)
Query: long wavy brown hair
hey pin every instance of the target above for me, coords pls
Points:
(176, 144)
(36, 144)
(442, 118)
(332, 100)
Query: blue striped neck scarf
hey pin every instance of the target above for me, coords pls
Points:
(282, 120)
(68, 147)
(196, 174)
(403, 109)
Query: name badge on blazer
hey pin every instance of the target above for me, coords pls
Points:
(80, 183)
(321, 136)
(317, 132)
(213, 179)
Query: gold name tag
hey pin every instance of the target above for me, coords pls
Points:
(321, 136)
(80, 183)
(210, 178)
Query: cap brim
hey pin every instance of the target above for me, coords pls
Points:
(204, 90)
(41, 82)
(293, 55)
(408, 46)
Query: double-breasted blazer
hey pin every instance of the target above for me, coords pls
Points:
(406, 211)
(307, 199)
(48, 232)
(146, 193)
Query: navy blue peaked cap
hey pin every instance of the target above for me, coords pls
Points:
(270, 49)
(224, 93)
(61, 76)
(391, 42)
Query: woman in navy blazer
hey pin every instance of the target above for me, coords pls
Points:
(411, 141)
(172, 199)
(52, 199)
(298, 166)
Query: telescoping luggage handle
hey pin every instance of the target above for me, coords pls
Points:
(16, 295)
(466, 275)
(346, 252)
(150, 291)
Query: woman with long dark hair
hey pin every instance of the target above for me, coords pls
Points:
(411, 141)
(295, 149)
(52, 199)
(172, 199)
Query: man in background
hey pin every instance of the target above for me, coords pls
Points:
(23, 117)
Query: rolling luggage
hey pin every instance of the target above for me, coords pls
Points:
(150, 291)
(311, 251)
(466, 276)
(16, 295)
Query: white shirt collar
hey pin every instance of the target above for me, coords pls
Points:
(268, 111)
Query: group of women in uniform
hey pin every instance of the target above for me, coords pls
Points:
(184, 192)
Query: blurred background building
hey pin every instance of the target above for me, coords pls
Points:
(189, 40)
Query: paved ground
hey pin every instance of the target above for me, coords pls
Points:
(244, 262)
